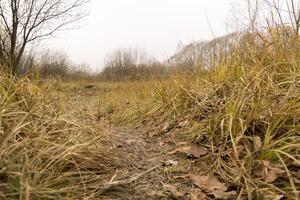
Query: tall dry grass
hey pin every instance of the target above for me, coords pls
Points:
(246, 109)
(46, 152)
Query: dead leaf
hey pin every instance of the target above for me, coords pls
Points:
(184, 150)
(271, 176)
(157, 194)
(212, 185)
(198, 151)
(208, 183)
(161, 144)
(272, 172)
(273, 197)
(220, 194)
(173, 191)
(195, 150)
(296, 181)
(197, 195)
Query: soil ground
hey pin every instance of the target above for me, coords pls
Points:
(144, 167)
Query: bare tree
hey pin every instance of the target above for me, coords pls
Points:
(53, 64)
(288, 13)
(25, 21)
(130, 64)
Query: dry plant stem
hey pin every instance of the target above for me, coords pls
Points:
(15, 130)
(112, 184)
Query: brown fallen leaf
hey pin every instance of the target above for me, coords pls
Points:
(207, 183)
(271, 176)
(184, 150)
(195, 150)
(273, 197)
(197, 195)
(272, 172)
(212, 185)
(156, 194)
(220, 194)
(296, 181)
(198, 151)
(173, 191)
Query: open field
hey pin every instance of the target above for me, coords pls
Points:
(230, 134)
(219, 119)
(246, 127)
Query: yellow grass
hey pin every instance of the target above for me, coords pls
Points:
(247, 110)
(47, 152)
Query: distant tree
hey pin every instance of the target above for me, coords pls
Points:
(25, 21)
(27, 63)
(53, 64)
(130, 64)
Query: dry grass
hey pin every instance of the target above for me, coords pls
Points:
(246, 109)
(46, 152)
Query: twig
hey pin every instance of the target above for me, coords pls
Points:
(110, 185)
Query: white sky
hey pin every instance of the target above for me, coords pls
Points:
(155, 26)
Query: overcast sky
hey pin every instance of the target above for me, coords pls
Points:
(156, 26)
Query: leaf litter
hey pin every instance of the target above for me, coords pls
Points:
(194, 151)
(173, 191)
(212, 185)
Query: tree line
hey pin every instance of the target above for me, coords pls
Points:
(131, 64)
(269, 24)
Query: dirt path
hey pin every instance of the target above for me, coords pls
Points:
(144, 167)
(143, 156)
(148, 156)
(154, 161)
(143, 164)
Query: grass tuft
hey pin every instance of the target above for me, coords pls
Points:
(46, 152)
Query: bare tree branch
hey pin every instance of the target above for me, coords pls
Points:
(25, 21)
